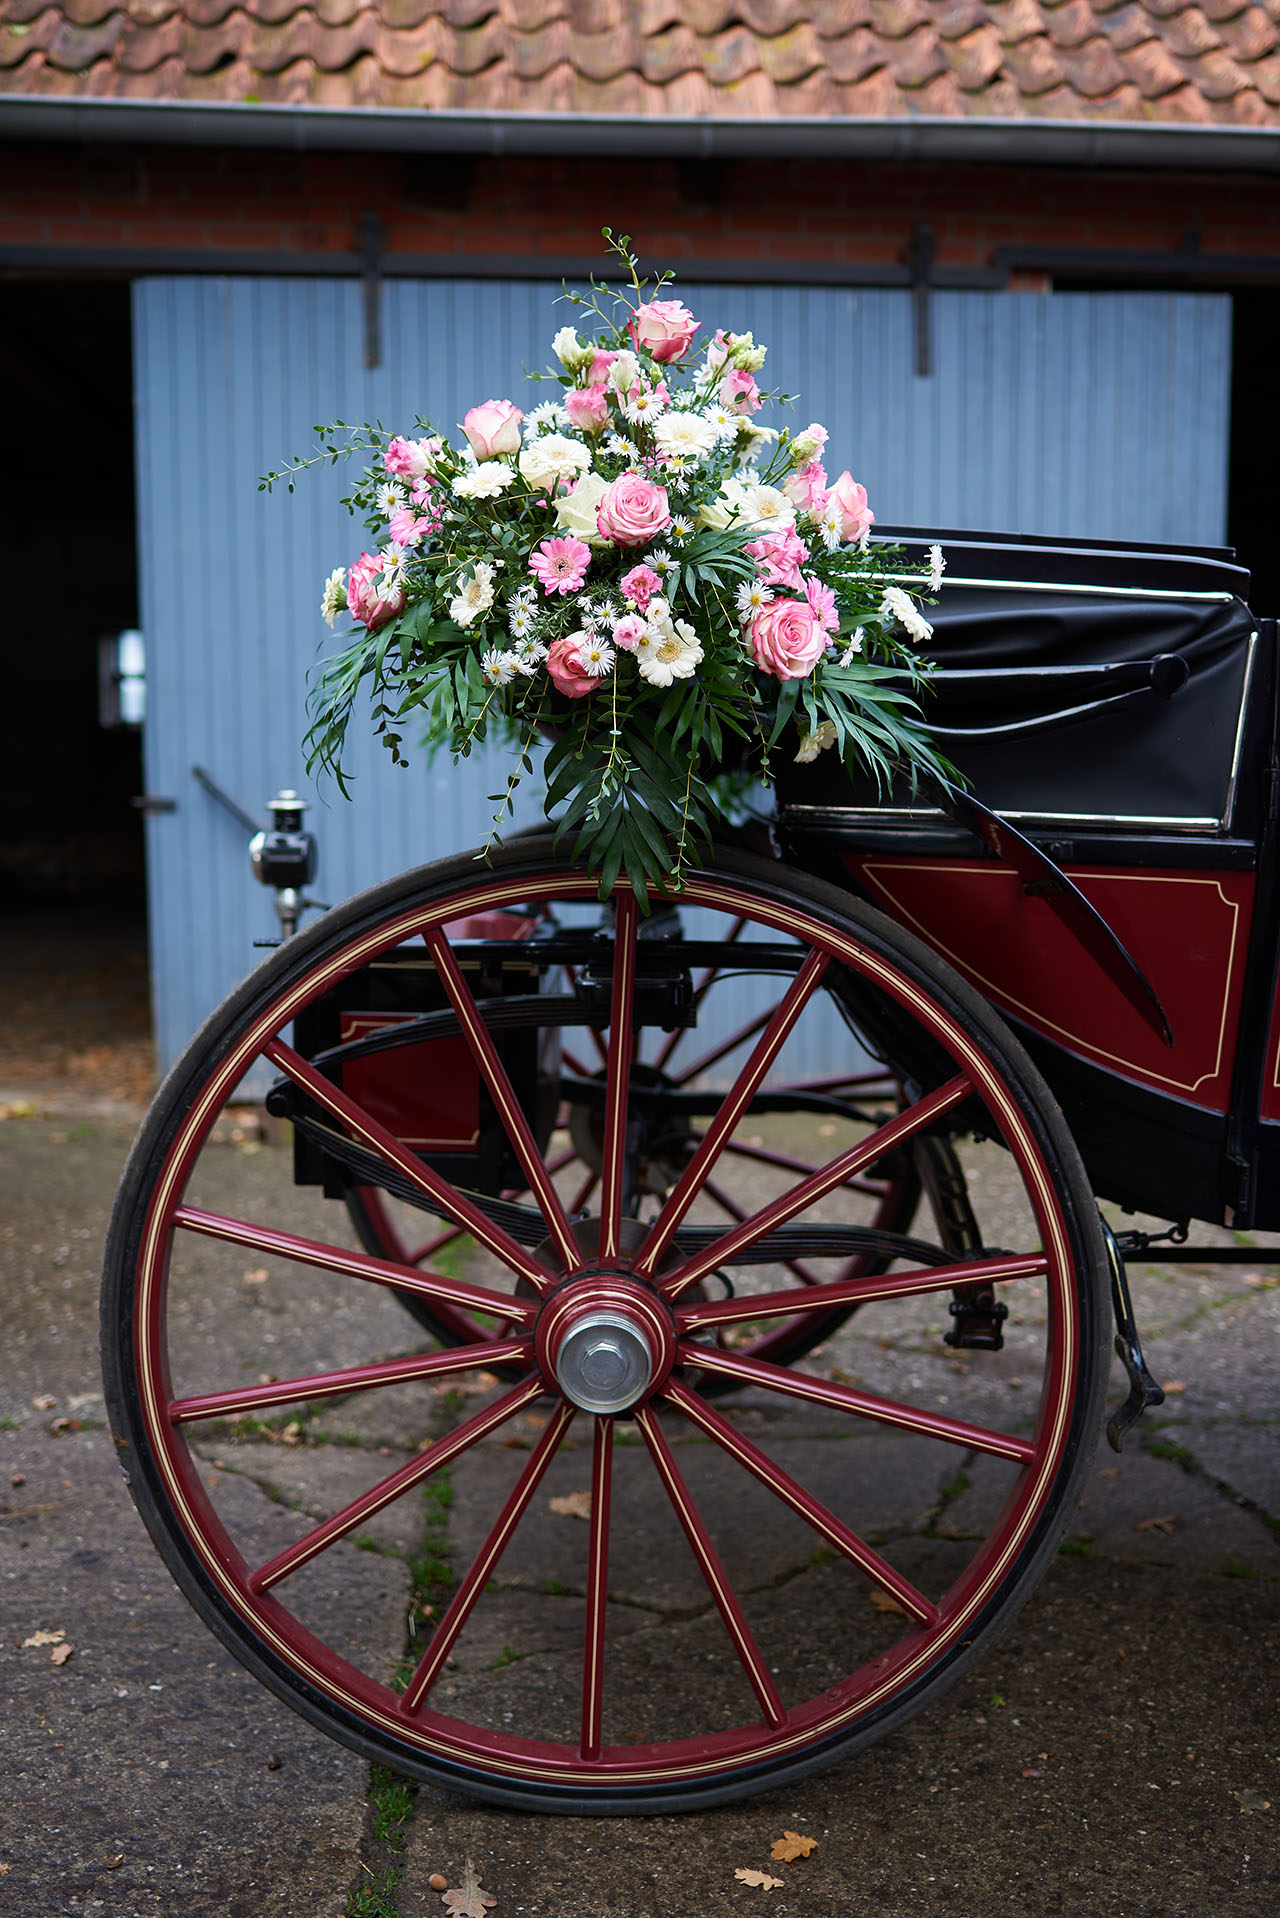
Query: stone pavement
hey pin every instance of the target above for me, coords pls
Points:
(1116, 1750)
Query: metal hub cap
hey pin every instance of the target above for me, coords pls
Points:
(604, 1363)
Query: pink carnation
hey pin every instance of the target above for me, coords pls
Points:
(600, 364)
(363, 601)
(787, 639)
(628, 632)
(411, 459)
(493, 429)
(564, 663)
(561, 564)
(738, 389)
(856, 515)
(822, 604)
(718, 349)
(640, 584)
(408, 527)
(632, 511)
(666, 327)
(779, 557)
(807, 489)
(587, 407)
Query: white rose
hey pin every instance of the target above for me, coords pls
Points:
(552, 458)
(577, 513)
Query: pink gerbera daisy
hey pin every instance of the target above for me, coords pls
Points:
(561, 564)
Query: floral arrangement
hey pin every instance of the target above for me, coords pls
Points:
(640, 568)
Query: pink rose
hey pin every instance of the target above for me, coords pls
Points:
(718, 349)
(640, 584)
(822, 604)
(666, 327)
(807, 489)
(493, 429)
(600, 364)
(852, 501)
(629, 631)
(363, 601)
(779, 557)
(632, 511)
(787, 639)
(564, 663)
(587, 407)
(412, 459)
(738, 389)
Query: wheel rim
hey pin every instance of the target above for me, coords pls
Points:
(659, 1296)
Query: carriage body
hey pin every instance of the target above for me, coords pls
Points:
(1118, 707)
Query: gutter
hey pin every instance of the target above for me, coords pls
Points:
(1076, 143)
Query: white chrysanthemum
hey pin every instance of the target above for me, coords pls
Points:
(675, 655)
(643, 406)
(546, 461)
(550, 416)
(485, 481)
(685, 435)
(830, 523)
(854, 646)
(389, 498)
(752, 598)
(937, 567)
(334, 598)
(498, 668)
(811, 744)
(569, 349)
(902, 609)
(474, 596)
(529, 655)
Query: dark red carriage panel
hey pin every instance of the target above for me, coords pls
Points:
(1189, 932)
(1269, 1103)
(427, 1095)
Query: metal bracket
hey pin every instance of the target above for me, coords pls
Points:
(1143, 1389)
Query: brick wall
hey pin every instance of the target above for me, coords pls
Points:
(754, 211)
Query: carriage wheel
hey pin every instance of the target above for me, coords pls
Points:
(887, 1562)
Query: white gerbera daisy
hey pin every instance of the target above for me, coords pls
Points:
(485, 481)
(675, 655)
(498, 668)
(937, 567)
(854, 646)
(334, 598)
(811, 744)
(900, 609)
(752, 598)
(474, 596)
(685, 435)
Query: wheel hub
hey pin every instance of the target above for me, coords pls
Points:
(606, 1341)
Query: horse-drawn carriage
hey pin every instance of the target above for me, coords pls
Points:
(669, 1191)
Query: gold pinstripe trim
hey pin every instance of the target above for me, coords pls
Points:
(701, 890)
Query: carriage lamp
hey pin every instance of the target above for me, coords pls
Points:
(284, 858)
(603, 1363)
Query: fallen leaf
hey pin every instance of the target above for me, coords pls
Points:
(114, 1863)
(258, 1276)
(760, 1879)
(44, 1401)
(572, 1505)
(66, 1425)
(1251, 1800)
(1260, 1279)
(1029, 1771)
(467, 1900)
(1175, 1386)
(792, 1844)
(1169, 1523)
(60, 1654)
(885, 1602)
(43, 1638)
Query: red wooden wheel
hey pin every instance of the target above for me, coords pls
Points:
(612, 1327)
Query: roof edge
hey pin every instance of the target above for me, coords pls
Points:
(403, 129)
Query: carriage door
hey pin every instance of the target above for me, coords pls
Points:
(1090, 414)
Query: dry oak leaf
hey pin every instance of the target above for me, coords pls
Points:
(467, 1900)
(884, 1601)
(760, 1879)
(572, 1505)
(792, 1844)
(258, 1275)
(60, 1654)
(1168, 1523)
(43, 1638)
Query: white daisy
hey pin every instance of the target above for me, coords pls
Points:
(937, 567)
(389, 498)
(723, 420)
(334, 598)
(484, 481)
(854, 646)
(830, 523)
(752, 598)
(520, 623)
(498, 668)
(596, 655)
(681, 526)
(662, 563)
(529, 655)
(642, 406)
(621, 448)
(899, 608)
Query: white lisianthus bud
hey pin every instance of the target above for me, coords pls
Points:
(569, 349)
(811, 744)
(806, 446)
(624, 372)
(746, 354)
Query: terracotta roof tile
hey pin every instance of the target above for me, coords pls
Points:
(1144, 60)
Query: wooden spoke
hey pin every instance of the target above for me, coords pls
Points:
(354, 1378)
(597, 1591)
(618, 1082)
(887, 1285)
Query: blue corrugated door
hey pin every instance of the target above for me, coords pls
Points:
(1077, 413)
